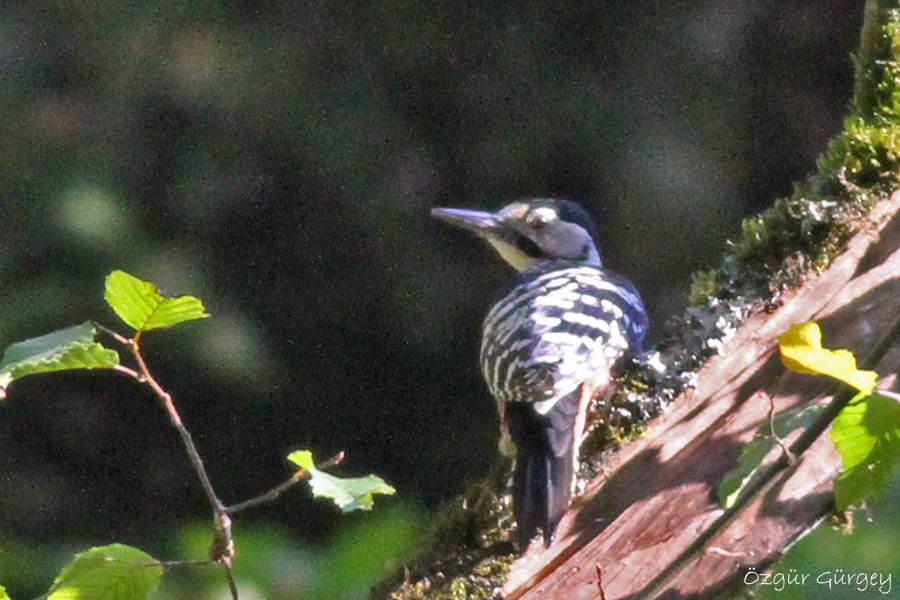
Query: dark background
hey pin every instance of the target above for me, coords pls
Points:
(279, 159)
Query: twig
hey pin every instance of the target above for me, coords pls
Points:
(222, 549)
(113, 334)
(269, 496)
(165, 564)
(175, 418)
(888, 394)
(330, 462)
(223, 541)
(279, 489)
(130, 372)
(230, 576)
(788, 455)
(600, 582)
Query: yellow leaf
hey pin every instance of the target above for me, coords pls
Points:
(801, 350)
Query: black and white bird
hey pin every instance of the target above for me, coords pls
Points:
(550, 344)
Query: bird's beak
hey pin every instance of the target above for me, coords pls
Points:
(477, 221)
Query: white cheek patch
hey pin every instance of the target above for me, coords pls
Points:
(545, 214)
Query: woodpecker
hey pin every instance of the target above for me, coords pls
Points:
(550, 344)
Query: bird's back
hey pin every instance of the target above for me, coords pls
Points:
(548, 345)
(557, 326)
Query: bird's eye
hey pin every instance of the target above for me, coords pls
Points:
(536, 221)
(539, 217)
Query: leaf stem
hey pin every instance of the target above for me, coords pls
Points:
(113, 334)
(130, 372)
(165, 564)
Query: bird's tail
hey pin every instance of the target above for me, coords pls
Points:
(545, 466)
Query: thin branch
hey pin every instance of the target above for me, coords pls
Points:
(130, 372)
(334, 460)
(600, 582)
(113, 334)
(269, 496)
(788, 455)
(222, 549)
(230, 576)
(186, 438)
(165, 564)
(223, 541)
(888, 394)
(279, 489)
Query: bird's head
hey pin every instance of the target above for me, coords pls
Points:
(530, 231)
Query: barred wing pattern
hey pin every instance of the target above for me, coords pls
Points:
(557, 327)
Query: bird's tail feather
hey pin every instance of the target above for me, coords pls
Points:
(542, 482)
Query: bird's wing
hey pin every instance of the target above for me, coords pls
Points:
(549, 335)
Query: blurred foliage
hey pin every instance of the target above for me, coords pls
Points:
(277, 159)
(830, 552)
(754, 453)
(272, 565)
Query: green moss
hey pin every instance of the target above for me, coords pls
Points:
(470, 551)
(483, 583)
(703, 286)
(801, 234)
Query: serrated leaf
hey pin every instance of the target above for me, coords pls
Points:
(866, 433)
(349, 494)
(142, 307)
(355, 493)
(70, 348)
(801, 350)
(114, 572)
(754, 453)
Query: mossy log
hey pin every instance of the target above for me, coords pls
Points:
(652, 525)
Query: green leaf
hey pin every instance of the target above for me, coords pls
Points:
(754, 453)
(866, 434)
(801, 350)
(142, 307)
(115, 572)
(303, 459)
(349, 494)
(3, 594)
(71, 348)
